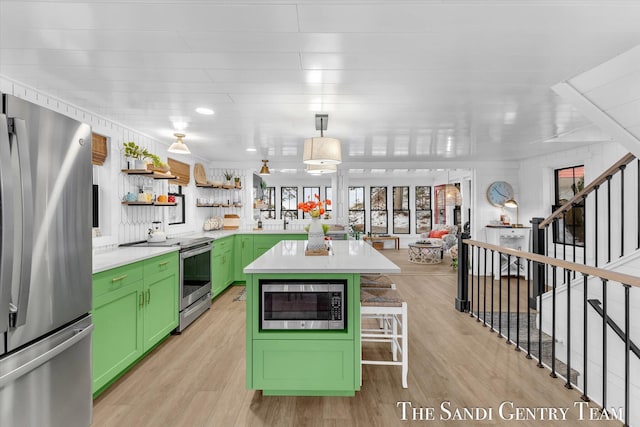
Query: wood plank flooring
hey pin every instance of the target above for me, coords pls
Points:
(197, 378)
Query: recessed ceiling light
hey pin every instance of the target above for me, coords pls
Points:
(205, 111)
(251, 149)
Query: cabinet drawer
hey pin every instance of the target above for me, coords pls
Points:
(116, 278)
(222, 245)
(163, 264)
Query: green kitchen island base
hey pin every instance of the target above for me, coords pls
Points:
(308, 362)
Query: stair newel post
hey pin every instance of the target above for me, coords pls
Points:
(493, 263)
(517, 304)
(528, 309)
(539, 247)
(462, 299)
(508, 298)
(568, 383)
(609, 218)
(484, 295)
(604, 343)
(554, 271)
(595, 225)
(627, 350)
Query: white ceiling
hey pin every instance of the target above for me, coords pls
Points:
(406, 84)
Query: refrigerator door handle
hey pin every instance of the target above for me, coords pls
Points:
(32, 364)
(6, 223)
(21, 143)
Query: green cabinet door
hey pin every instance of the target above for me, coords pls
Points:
(243, 255)
(161, 296)
(118, 332)
(221, 265)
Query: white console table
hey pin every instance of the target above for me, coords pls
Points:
(512, 238)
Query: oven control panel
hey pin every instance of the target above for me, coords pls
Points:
(336, 306)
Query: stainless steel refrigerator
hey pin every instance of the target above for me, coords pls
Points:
(45, 267)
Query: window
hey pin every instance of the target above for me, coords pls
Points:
(269, 197)
(308, 193)
(569, 229)
(289, 206)
(401, 214)
(328, 195)
(177, 213)
(379, 213)
(423, 209)
(356, 209)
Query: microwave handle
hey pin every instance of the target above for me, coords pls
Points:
(21, 143)
(6, 224)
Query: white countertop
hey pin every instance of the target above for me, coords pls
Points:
(126, 255)
(350, 256)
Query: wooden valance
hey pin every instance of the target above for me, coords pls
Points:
(182, 171)
(98, 149)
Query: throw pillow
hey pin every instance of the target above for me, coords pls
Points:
(437, 234)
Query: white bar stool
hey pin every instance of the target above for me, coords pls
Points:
(386, 306)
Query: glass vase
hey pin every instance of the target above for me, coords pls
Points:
(315, 236)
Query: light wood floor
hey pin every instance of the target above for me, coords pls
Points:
(197, 378)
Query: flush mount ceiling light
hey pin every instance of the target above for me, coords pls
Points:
(321, 169)
(204, 111)
(179, 147)
(264, 170)
(322, 151)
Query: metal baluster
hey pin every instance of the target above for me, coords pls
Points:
(478, 290)
(584, 226)
(528, 309)
(604, 343)
(539, 298)
(499, 294)
(564, 235)
(492, 286)
(472, 279)
(608, 218)
(553, 324)
(568, 383)
(585, 334)
(638, 205)
(484, 297)
(518, 304)
(573, 227)
(622, 168)
(627, 350)
(508, 298)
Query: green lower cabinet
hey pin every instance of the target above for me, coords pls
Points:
(243, 255)
(301, 367)
(222, 265)
(118, 332)
(131, 317)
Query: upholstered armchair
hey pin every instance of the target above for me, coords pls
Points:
(444, 234)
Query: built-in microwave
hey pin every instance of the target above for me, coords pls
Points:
(299, 304)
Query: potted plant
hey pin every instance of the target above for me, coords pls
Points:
(237, 182)
(157, 164)
(137, 154)
(228, 176)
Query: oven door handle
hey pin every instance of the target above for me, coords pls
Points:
(196, 251)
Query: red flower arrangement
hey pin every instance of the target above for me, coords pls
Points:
(314, 207)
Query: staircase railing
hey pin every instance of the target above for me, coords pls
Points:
(601, 216)
(564, 346)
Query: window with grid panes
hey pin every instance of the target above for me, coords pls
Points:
(423, 209)
(401, 213)
(378, 210)
(309, 194)
(569, 229)
(356, 209)
(328, 195)
(269, 197)
(289, 202)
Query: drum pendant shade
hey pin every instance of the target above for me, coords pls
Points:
(322, 151)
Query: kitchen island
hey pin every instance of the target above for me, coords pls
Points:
(296, 359)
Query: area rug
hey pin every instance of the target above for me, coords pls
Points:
(242, 296)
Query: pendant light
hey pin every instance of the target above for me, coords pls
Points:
(322, 151)
(179, 147)
(452, 195)
(265, 169)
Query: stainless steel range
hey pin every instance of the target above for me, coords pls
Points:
(195, 276)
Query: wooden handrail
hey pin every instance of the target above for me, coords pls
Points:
(567, 265)
(628, 158)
